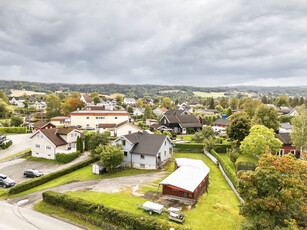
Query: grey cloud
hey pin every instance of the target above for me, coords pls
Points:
(202, 43)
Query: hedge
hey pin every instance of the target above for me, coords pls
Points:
(97, 213)
(184, 147)
(222, 148)
(4, 130)
(41, 180)
(231, 175)
(66, 157)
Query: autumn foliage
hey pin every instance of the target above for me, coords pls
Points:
(275, 193)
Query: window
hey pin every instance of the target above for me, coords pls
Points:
(76, 134)
(115, 117)
(124, 142)
(164, 153)
(280, 153)
(87, 117)
(97, 117)
(87, 125)
(170, 151)
(37, 146)
(142, 166)
(102, 117)
(125, 153)
(165, 143)
(292, 151)
(142, 157)
(129, 132)
(48, 147)
(72, 135)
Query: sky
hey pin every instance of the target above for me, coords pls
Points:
(173, 42)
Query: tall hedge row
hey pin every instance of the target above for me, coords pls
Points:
(221, 148)
(98, 214)
(189, 147)
(66, 157)
(4, 130)
(231, 175)
(41, 180)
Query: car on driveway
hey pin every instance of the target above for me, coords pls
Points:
(32, 173)
(6, 182)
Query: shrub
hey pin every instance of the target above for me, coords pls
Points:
(41, 180)
(188, 147)
(4, 130)
(7, 144)
(221, 148)
(66, 157)
(95, 213)
(229, 172)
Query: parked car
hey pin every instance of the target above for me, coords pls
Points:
(6, 182)
(32, 173)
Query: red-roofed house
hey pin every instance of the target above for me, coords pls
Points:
(120, 129)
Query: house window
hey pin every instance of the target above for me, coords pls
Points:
(48, 147)
(123, 142)
(72, 135)
(129, 132)
(87, 117)
(87, 125)
(37, 146)
(293, 151)
(102, 117)
(165, 143)
(280, 153)
(125, 153)
(165, 153)
(115, 117)
(142, 166)
(142, 157)
(76, 134)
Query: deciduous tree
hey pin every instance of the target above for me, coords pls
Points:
(299, 131)
(260, 140)
(4, 97)
(234, 103)
(166, 102)
(275, 193)
(111, 156)
(95, 140)
(267, 116)
(72, 104)
(16, 121)
(139, 103)
(250, 106)
(53, 106)
(96, 100)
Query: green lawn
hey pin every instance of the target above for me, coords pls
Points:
(41, 159)
(216, 210)
(185, 137)
(211, 94)
(82, 174)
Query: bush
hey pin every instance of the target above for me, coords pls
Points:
(231, 175)
(66, 157)
(222, 148)
(41, 180)
(97, 214)
(7, 144)
(4, 130)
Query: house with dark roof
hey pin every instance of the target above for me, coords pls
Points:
(145, 151)
(285, 127)
(220, 125)
(120, 129)
(47, 143)
(86, 99)
(287, 146)
(43, 125)
(180, 122)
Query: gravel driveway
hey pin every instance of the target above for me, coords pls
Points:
(15, 168)
(21, 142)
(103, 185)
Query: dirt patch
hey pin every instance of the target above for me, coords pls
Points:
(151, 195)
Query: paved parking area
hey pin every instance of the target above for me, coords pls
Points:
(15, 168)
(21, 142)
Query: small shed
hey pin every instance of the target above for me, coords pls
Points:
(98, 168)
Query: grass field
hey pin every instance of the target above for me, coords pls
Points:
(185, 137)
(218, 209)
(19, 93)
(211, 94)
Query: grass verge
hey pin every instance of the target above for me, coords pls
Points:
(16, 154)
(41, 159)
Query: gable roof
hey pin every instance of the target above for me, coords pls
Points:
(147, 144)
(185, 121)
(221, 121)
(129, 123)
(189, 175)
(286, 126)
(41, 124)
(174, 111)
(87, 98)
(285, 138)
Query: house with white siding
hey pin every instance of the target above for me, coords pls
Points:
(120, 129)
(47, 143)
(145, 151)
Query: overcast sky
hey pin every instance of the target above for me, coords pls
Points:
(191, 42)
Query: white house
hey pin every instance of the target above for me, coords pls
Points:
(60, 121)
(145, 151)
(138, 111)
(130, 101)
(120, 129)
(159, 111)
(47, 142)
(86, 99)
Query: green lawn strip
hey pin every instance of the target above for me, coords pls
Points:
(41, 159)
(82, 174)
(16, 154)
(63, 213)
(219, 208)
(122, 200)
(185, 137)
(228, 161)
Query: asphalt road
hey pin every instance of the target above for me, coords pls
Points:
(13, 217)
(21, 142)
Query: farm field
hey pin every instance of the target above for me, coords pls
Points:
(211, 94)
(19, 93)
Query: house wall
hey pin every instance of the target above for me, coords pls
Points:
(126, 148)
(287, 149)
(157, 112)
(42, 151)
(126, 129)
(92, 120)
(166, 150)
(148, 162)
(58, 123)
(49, 126)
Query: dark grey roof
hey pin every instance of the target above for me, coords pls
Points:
(221, 121)
(285, 138)
(174, 111)
(144, 143)
(185, 121)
